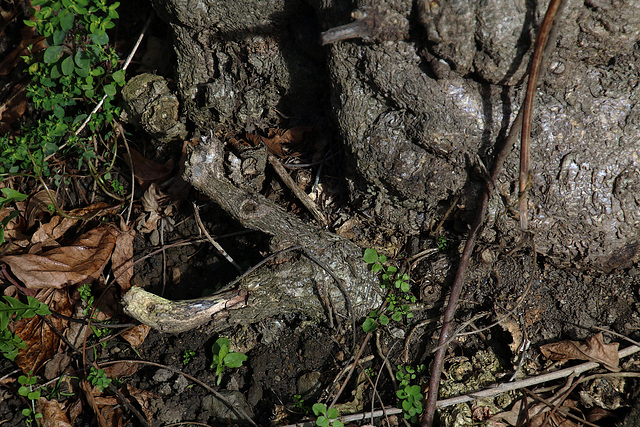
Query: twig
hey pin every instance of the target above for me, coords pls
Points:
(456, 289)
(491, 391)
(528, 382)
(565, 413)
(124, 67)
(301, 195)
(532, 84)
(340, 284)
(122, 133)
(215, 244)
(219, 396)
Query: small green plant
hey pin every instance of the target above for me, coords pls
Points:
(326, 416)
(398, 296)
(26, 390)
(442, 243)
(299, 403)
(98, 378)
(409, 394)
(223, 358)
(8, 196)
(86, 297)
(187, 357)
(68, 78)
(15, 310)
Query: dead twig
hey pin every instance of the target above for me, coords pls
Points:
(301, 195)
(124, 67)
(196, 214)
(528, 382)
(456, 290)
(532, 84)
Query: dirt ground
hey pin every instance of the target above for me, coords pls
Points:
(525, 298)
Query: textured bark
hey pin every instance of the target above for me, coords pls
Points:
(414, 110)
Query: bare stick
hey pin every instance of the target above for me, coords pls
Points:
(497, 389)
(301, 195)
(532, 84)
(212, 241)
(456, 289)
(124, 67)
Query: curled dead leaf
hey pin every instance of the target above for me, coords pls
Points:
(136, 335)
(122, 258)
(147, 171)
(279, 141)
(594, 350)
(42, 342)
(52, 413)
(66, 265)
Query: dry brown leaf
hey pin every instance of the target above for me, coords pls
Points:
(58, 226)
(150, 203)
(136, 335)
(52, 413)
(76, 409)
(13, 107)
(37, 207)
(594, 349)
(147, 171)
(556, 419)
(66, 265)
(121, 369)
(14, 229)
(14, 58)
(106, 410)
(42, 342)
(56, 365)
(122, 257)
(279, 141)
(144, 398)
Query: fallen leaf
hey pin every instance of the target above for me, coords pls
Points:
(14, 58)
(121, 369)
(13, 107)
(66, 265)
(144, 399)
(106, 409)
(38, 207)
(42, 342)
(136, 335)
(594, 349)
(58, 226)
(122, 257)
(147, 171)
(150, 203)
(52, 413)
(278, 141)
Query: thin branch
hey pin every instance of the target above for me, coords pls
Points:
(301, 195)
(456, 290)
(124, 67)
(211, 240)
(532, 84)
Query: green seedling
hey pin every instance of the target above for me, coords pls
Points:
(223, 358)
(398, 297)
(68, 78)
(326, 416)
(27, 390)
(409, 395)
(98, 378)
(187, 357)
